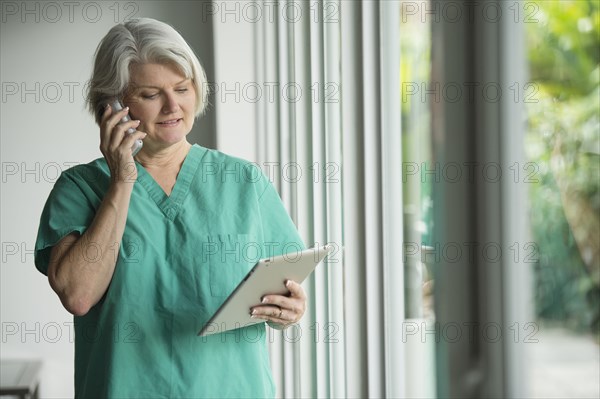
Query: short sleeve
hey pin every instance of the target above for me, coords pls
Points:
(67, 210)
(280, 233)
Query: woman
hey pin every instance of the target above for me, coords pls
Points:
(124, 240)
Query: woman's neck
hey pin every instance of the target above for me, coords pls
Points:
(164, 165)
(168, 158)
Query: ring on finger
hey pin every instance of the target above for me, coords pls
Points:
(280, 313)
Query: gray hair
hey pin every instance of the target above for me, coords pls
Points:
(141, 41)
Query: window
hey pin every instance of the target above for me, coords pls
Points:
(563, 150)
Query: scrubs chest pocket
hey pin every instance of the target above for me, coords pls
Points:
(229, 260)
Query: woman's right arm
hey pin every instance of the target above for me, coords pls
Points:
(81, 267)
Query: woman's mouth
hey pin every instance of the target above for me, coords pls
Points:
(170, 122)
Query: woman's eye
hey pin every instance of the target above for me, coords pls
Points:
(183, 90)
(149, 96)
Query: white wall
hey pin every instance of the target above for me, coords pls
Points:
(235, 74)
(46, 51)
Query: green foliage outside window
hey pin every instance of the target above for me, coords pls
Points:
(563, 141)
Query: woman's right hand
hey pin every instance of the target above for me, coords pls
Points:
(116, 144)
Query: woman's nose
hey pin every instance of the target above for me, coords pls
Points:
(170, 105)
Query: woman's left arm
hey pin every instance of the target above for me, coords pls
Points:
(281, 311)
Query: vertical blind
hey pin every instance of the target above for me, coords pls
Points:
(332, 133)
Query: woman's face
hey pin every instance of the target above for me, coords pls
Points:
(164, 101)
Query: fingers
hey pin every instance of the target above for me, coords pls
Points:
(113, 133)
(116, 144)
(280, 309)
(132, 138)
(296, 297)
(295, 289)
(109, 120)
(277, 318)
(119, 135)
(271, 313)
(294, 305)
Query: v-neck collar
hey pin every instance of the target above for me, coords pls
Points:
(170, 204)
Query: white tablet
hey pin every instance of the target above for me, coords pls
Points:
(268, 276)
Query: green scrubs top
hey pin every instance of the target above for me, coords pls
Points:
(180, 256)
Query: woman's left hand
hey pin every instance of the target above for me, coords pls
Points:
(282, 311)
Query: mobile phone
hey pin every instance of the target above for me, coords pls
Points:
(116, 107)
